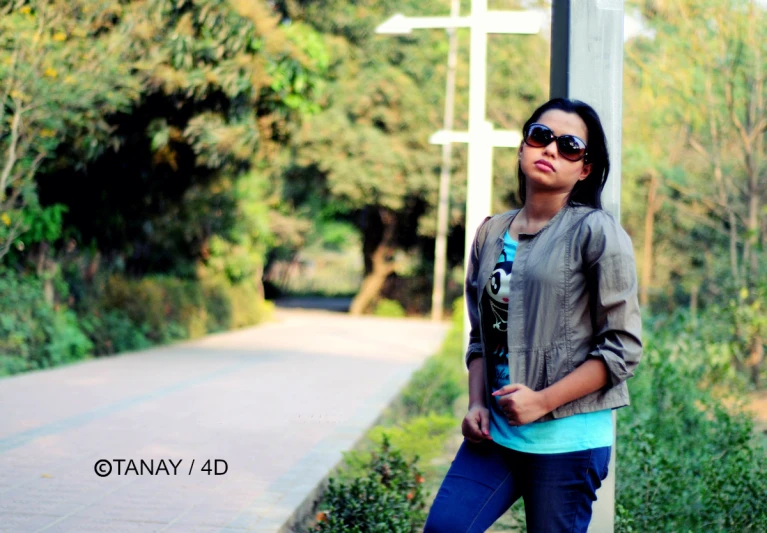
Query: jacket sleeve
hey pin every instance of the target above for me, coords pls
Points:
(470, 295)
(608, 257)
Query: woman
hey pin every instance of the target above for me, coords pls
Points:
(555, 332)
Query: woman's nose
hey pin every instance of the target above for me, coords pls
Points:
(551, 149)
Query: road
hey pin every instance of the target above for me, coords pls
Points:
(275, 404)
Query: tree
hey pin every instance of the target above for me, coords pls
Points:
(371, 140)
(208, 93)
(59, 80)
(702, 70)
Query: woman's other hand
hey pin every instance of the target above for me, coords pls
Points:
(521, 404)
(476, 424)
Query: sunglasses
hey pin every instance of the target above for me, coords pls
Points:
(570, 147)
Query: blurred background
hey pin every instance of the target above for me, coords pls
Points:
(168, 168)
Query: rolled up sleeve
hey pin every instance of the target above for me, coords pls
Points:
(615, 314)
(474, 348)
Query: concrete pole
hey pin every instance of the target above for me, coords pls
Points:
(480, 183)
(587, 64)
(440, 244)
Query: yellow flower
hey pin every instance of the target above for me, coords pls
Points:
(60, 36)
(26, 10)
(51, 72)
(6, 219)
(744, 293)
(47, 133)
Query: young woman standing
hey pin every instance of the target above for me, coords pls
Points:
(551, 291)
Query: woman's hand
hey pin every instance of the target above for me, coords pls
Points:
(476, 424)
(521, 404)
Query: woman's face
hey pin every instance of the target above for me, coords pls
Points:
(545, 169)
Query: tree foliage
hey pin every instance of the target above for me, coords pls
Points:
(696, 118)
(369, 145)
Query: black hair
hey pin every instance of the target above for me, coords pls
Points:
(589, 190)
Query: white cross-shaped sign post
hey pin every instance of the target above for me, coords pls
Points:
(481, 136)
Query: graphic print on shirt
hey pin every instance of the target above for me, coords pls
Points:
(495, 307)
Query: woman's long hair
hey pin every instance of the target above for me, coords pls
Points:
(589, 190)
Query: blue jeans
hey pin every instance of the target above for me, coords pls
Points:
(486, 478)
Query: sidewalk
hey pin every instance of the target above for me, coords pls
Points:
(278, 403)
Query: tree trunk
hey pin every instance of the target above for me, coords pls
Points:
(258, 278)
(649, 228)
(378, 250)
(45, 268)
(752, 229)
(694, 292)
(755, 359)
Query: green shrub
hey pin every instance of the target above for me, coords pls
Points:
(66, 341)
(185, 306)
(218, 306)
(248, 308)
(441, 380)
(114, 314)
(32, 334)
(388, 498)
(434, 387)
(112, 331)
(422, 437)
(389, 308)
(167, 309)
(141, 301)
(685, 461)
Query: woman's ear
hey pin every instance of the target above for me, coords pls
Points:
(585, 171)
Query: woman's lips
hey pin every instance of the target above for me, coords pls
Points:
(544, 165)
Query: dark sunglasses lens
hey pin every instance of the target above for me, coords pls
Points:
(539, 136)
(571, 147)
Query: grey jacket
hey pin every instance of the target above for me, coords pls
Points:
(573, 297)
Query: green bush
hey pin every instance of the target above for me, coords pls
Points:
(389, 308)
(66, 341)
(218, 306)
(115, 314)
(184, 306)
(442, 379)
(686, 462)
(248, 308)
(388, 498)
(435, 386)
(422, 437)
(32, 334)
(112, 331)
(167, 309)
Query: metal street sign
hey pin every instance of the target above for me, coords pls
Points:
(524, 22)
(498, 138)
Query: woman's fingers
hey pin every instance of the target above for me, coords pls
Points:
(484, 423)
(476, 426)
(469, 430)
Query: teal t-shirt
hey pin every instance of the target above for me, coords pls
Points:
(569, 434)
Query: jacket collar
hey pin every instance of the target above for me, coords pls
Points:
(504, 221)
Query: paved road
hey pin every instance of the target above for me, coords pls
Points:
(278, 403)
